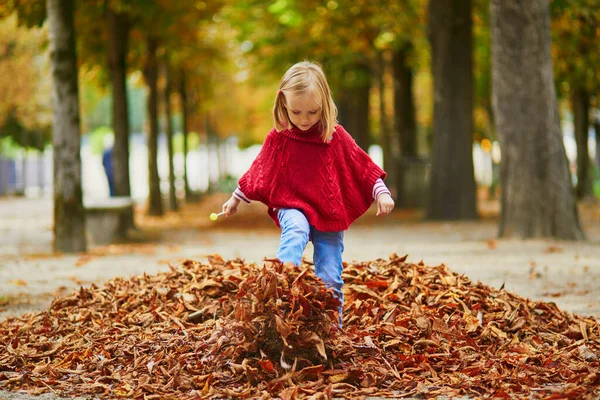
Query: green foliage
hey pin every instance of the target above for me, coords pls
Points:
(226, 184)
(233, 53)
(13, 128)
(8, 147)
(596, 187)
(96, 105)
(482, 118)
(137, 106)
(344, 37)
(98, 137)
(96, 108)
(193, 142)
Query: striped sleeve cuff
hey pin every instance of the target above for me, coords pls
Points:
(380, 188)
(237, 193)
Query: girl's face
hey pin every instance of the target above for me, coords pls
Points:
(303, 109)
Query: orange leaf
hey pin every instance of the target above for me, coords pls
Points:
(267, 366)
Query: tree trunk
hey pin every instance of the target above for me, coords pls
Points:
(354, 105)
(184, 128)
(169, 130)
(151, 74)
(452, 186)
(69, 213)
(221, 151)
(212, 147)
(388, 143)
(24, 172)
(212, 156)
(41, 170)
(404, 105)
(597, 133)
(537, 198)
(118, 31)
(580, 101)
(405, 127)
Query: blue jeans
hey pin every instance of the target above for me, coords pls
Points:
(328, 248)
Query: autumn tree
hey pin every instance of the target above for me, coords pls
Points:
(193, 61)
(537, 200)
(186, 53)
(452, 187)
(25, 114)
(576, 58)
(162, 28)
(131, 34)
(191, 64)
(483, 115)
(155, 206)
(409, 45)
(118, 24)
(182, 92)
(142, 21)
(69, 214)
(404, 103)
(168, 104)
(338, 35)
(596, 123)
(104, 33)
(399, 31)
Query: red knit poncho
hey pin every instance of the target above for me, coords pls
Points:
(331, 183)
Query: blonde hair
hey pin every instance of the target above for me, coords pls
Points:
(306, 77)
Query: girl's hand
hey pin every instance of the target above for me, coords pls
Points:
(230, 206)
(385, 204)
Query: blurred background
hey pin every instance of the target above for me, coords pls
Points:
(199, 78)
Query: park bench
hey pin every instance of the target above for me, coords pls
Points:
(107, 219)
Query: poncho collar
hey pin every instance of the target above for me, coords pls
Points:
(312, 135)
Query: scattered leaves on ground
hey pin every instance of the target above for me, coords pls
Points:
(553, 249)
(18, 282)
(228, 329)
(42, 256)
(84, 259)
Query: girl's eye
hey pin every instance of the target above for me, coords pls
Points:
(295, 112)
(313, 112)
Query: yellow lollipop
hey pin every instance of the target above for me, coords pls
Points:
(214, 216)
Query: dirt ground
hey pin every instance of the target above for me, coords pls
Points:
(567, 273)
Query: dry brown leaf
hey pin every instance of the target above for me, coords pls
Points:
(18, 282)
(228, 329)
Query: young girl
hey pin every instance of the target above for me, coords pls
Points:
(311, 175)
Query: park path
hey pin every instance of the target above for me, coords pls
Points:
(567, 273)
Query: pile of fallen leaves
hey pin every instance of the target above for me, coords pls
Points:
(229, 329)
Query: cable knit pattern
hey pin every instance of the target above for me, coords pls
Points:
(331, 183)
